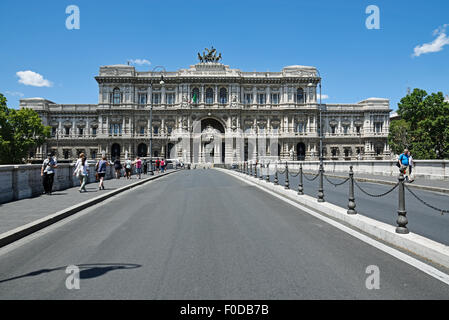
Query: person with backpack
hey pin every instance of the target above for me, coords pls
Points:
(118, 168)
(101, 170)
(82, 172)
(404, 164)
(48, 173)
(128, 168)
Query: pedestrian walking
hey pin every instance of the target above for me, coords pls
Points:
(128, 168)
(81, 172)
(158, 164)
(138, 165)
(118, 168)
(403, 163)
(48, 173)
(101, 170)
(162, 165)
(411, 165)
(145, 166)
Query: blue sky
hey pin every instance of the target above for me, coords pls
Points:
(355, 62)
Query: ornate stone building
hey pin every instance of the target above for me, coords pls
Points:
(279, 108)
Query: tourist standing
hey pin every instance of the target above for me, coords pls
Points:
(162, 165)
(411, 165)
(48, 173)
(128, 168)
(118, 168)
(158, 163)
(138, 165)
(404, 164)
(81, 171)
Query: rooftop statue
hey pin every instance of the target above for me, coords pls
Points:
(211, 56)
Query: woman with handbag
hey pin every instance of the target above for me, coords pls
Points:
(81, 171)
(101, 171)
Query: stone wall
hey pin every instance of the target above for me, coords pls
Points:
(427, 169)
(25, 181)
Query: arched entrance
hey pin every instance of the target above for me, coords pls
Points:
(301, 151)
(212, 147)
(169, 154)
(115, 151)
(142, 150)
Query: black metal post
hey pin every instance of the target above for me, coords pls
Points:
(261, 172)
(255, 170)
(267, 178)
(402, 214)
(300, 186)
(276, 180)
(320, 188)
(351, 203)
(287, 184)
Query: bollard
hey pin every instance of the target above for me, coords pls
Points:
(255, 170)
(402, 218)
(300, 186)
(276, 181)
(261, 172)
(320, 188)
(251, 170)
(267, 178)
(287, 184)
(351, 203)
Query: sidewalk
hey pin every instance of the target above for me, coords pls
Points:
(19, 213)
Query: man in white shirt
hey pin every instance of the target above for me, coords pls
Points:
(48, 173)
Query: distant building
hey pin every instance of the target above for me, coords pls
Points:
(226, 101)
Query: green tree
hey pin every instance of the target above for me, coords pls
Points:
(20, 132)
(423, 127)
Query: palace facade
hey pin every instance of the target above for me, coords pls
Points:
(211, 99)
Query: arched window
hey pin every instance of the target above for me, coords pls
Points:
(223, 95)
(300, 95)
(209, 95)
(116, 96)
(195, 97)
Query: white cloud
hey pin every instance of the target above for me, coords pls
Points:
(14, 93)
(323, 97)
(30, 78)
(436, 45)
(140, 62)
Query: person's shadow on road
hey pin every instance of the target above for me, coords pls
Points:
(87, 271)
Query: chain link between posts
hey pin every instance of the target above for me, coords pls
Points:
(376, 195)
(336, 184)
(313, 179)
(442, 211)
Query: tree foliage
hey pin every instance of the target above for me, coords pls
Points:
(423, 127)
(20, 132)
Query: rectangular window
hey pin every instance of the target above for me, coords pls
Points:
(156, 130)
(170, 98)
(156, 98)
(142, 98)
(53, 131)
(248, 99)
(261, 98)
(80, 131)
(142, 130)
(94, 131)
(333, 129)
(67, 131)
(357, 129)
(345, 129)
(378, 127)
(169, 130)
(275, 98)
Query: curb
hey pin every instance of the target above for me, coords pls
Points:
(416, 186)
(32, 227)
(419, 245)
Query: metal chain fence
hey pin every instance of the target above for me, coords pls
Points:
(442, 211)
(336, 184)
(313, 179)
(376, 195)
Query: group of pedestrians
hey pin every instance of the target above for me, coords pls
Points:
(405, 164)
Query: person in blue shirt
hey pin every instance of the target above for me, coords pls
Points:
(405, 164)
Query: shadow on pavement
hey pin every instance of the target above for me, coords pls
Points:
(87, 271)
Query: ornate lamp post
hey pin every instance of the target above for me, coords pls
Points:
(151, 118)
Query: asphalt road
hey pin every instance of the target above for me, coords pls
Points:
(202, 234)
(421, 219)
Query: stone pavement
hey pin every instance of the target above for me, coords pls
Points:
(18, 213)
